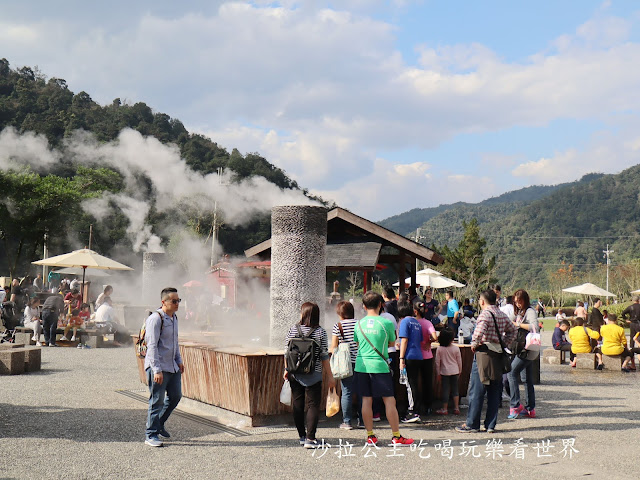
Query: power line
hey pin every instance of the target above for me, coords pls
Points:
(535, 237)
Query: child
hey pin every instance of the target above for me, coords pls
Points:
(77, 320)
(559, 339)
(32, 319)
(448, 368)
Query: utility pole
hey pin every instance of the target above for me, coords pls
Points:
(418, 238)
(608, 252)
(44, 257)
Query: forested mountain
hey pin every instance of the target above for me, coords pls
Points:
(30, 102)
(406, 223)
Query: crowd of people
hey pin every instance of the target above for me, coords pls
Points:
(390, 349)
(599, 333)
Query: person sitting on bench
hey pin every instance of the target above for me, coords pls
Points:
(559, 339)
(614, 341)
(580, 337)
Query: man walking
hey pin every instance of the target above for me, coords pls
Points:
(163, 365)
(372, 376)
(486, 370)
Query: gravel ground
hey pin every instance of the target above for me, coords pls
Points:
(68, 421)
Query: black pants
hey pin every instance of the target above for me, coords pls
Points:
(413, 392)
(634, 327)
(449, 385)
(567, 348)
(306, 399)
(378, 404)
(49, 326)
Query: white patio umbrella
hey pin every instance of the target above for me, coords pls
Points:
(588, 289)
(78, 271)
(428, 271)
(433, 281)
(635, 292)
(83, 258)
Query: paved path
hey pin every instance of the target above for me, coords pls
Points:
(68, 421)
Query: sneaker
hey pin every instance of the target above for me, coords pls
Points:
(34, 338)
(302, 441)
(73, 339)
(411, 418)
(491, 430)
(401, 441)
(530, 413)
(600, 367)
(311, 444)
(505, 396)
(376, 417)
(515, 412)
(86, 346)
(38, 344)
(466, 429)
(79, 346)
(442, 411)
(359, 425)
(64, 338)
(53, 345)
(372, 440)
(163, 433)
(625, 369)
(456, 411)
(153, 442)
(346, 426)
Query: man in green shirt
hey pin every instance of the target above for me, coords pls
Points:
(374, 334)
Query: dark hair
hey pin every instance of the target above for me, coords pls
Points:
(605, 312)
(75, 291)
(450, 293)
(496, 287)
(372, 300)
(403, 298)
(595, 300)
(108, 287)
(419, 308)
(489, 296)
(579, 321)
(309, 314)
(612, 317)
(345, 310)
(33, 301)
(466, 302)
(521, 294)
(75, 312)
(405, 309)
(389, 293)
(83, 306)
(580, 304)
(565, 322)
(164, 294)
(446, 337)
(509, 300)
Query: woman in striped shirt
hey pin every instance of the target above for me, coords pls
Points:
(309, 385)
(343, 333)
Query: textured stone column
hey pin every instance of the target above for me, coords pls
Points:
(298, 265)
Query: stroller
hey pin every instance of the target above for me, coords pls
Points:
(10, 319)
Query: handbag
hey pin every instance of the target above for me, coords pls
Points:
(340, 362)
(504, 357)
(376, 350)
(593, 343)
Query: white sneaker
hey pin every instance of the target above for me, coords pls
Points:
(38, 344)
(34, 338)
(73, 339)
(64, 338)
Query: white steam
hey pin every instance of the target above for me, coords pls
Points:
(17, 150)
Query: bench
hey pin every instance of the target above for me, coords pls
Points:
(88, 336)
(12, 360)
(32, 356)
(613, 362)
(554, 357)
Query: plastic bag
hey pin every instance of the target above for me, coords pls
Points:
(333, 403)
(285, 393)
(341, 362)
(403, 377)
(533, 341)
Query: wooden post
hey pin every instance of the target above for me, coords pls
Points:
(414, 282)
(402, 272)
(366, 283)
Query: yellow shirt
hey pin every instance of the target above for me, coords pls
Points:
(580, 341)
(613, 339)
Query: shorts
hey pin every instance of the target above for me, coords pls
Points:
(374, 384)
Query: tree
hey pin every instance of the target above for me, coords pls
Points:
(469, 262)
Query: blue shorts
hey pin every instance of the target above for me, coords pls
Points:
(374, 384)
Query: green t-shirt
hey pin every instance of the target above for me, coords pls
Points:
(380, 332)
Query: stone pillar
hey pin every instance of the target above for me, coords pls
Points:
(298, 265)
(152, 282)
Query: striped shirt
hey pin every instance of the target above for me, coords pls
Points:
(319, 335)
(485, 331)
(347, 327)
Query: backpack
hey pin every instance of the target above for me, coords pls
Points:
(141, 344)
(302, 353)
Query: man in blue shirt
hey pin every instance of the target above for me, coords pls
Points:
(453, 312)
(163, 365)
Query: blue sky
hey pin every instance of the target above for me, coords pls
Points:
(366, 101)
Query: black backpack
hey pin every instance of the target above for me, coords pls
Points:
(302, 353)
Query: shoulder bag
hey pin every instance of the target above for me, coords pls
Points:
(341, 359)
(504, 356)
(373, 346)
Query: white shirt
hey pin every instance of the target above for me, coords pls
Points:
(508, 310)
(392, 319)
(3, 294)
(105, 313)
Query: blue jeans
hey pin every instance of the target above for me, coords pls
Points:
(522, 368)
(49, 326)
(476, 394)
(347, 401)
(161, 405)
